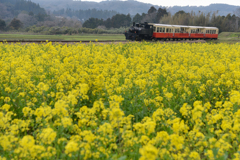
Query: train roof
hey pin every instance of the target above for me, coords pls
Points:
(183, 26)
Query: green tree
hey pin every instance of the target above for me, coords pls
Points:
(152, 10)
(160, 13)
(41, 17)
(92, 23)
(137, 18)
(31, 13)
(15, 24)
(2, 24)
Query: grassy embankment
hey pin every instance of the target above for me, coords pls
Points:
(79, 37)
(226, 37)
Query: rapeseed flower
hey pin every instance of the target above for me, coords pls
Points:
(128, 101)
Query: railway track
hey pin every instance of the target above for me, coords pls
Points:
(107, 41)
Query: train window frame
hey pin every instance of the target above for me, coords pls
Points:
(163, 29)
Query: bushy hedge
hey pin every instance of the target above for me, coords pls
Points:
(68, 30)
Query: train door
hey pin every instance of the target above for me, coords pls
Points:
(151, 30)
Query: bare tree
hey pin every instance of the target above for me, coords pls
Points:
(27, 20)
(61, 22)
(237, 13)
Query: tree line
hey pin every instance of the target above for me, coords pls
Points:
(122, 20)
(227, 23)
(117, 21)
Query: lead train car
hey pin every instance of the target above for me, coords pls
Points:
(149, 31)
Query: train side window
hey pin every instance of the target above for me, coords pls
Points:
(157, 29)
(154, 29)
(161, 29)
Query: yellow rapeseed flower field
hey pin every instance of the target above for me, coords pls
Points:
(128, 101)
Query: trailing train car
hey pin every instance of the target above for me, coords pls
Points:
(152, 31)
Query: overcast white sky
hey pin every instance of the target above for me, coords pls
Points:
(167, 3)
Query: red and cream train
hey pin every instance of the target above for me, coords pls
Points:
(152, 31)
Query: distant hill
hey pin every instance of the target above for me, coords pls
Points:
(23, 5)
(11, 8)
(132, 7)
(124, 7)
(223, 9)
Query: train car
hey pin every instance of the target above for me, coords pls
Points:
(152, 31)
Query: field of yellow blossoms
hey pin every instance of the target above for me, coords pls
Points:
(128, 101)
